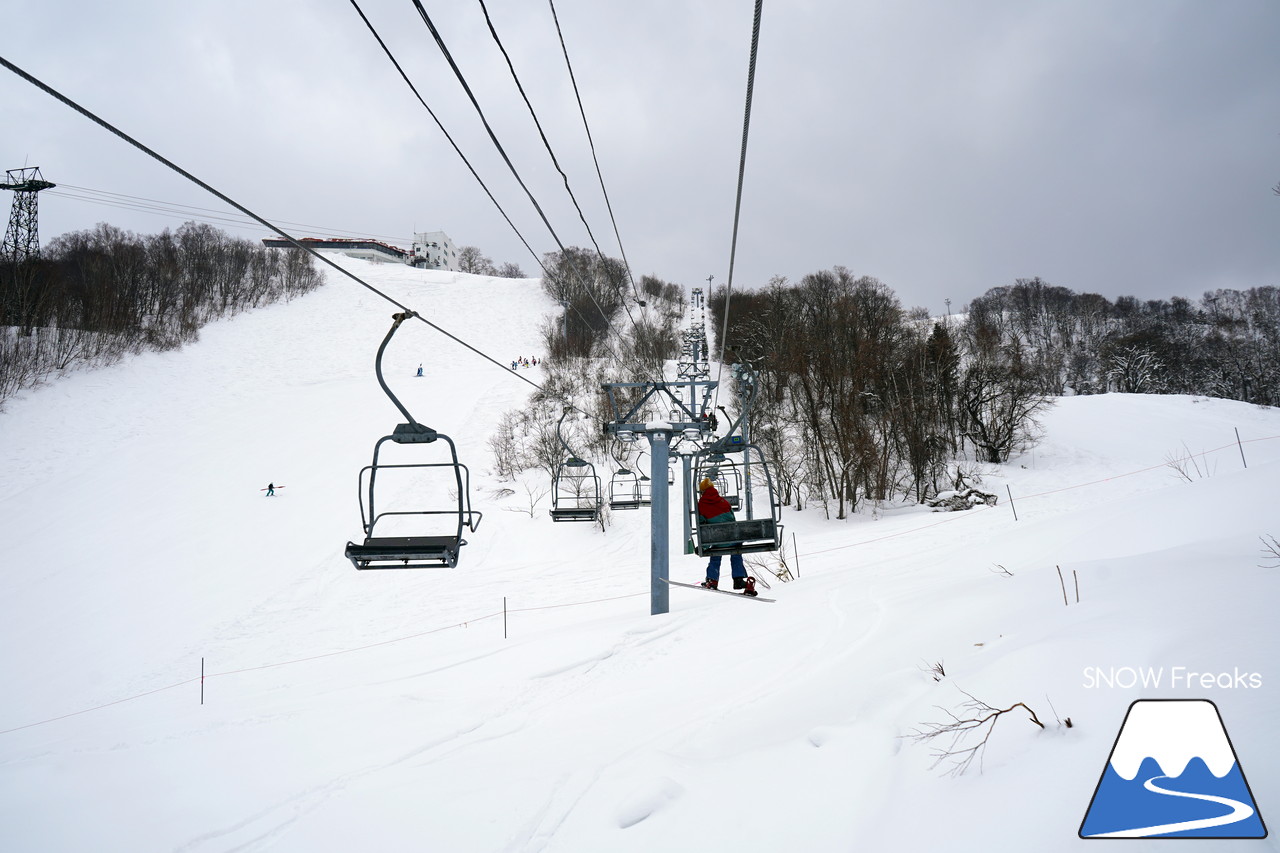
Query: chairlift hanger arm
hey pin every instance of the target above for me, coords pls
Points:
(397, 319)
(560, 434)
(747, 387)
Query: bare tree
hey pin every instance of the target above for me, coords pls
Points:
(472, 260)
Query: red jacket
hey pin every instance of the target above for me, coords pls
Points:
(710, 504)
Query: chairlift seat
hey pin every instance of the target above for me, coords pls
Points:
(405, 552)
(586, 513)
(738, 537)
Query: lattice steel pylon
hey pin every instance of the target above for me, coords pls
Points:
(22, 237)
(693, 361)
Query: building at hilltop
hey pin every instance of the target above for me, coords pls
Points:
(365, 250)
(431, 250)
(434, 251)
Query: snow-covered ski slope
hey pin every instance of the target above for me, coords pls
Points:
(385, 711)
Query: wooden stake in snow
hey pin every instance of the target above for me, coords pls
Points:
(1065, 603)
(1241, 446)
(1011, 506)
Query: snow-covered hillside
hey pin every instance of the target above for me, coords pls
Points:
(385, 711)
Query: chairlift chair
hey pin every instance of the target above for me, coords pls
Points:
(575, 486)
(726, 475)
(424, 537)
(758, 526)
(629, 490)
(575, 491)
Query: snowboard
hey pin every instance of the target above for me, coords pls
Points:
(719, 591)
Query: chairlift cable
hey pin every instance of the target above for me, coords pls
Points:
(536, 259)
(541, 132)
(742, 167)
(592, 144)
(466, 87)
(440, 125)
(467, 162)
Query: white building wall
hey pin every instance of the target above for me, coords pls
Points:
(435, 250)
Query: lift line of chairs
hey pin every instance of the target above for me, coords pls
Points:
(432, 537)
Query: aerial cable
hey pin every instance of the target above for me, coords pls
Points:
(144, 149)
(467, 162)
(547, 144)
(467, 88)
(426, 19)
(169, 213)
(123, 200)
(447, 136)
(591, 142)
(542, 133)
(742, 168)
(440, 125)
(230, 220)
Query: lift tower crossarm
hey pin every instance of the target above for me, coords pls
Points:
(686, 416)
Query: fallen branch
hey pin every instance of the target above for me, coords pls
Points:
(1273, 549)
(977, 716)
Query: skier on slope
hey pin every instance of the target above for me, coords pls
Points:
(714, 509)
(271, 489)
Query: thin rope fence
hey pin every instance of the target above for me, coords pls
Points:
(310, 658)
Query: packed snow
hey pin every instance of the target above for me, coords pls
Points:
(386, 710)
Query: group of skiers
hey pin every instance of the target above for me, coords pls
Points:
(524, 362)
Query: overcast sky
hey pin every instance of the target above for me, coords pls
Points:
(944, 147)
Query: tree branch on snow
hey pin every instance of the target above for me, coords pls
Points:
(1272, 549)
(1184, 464)
(936, 670)
(976, 719)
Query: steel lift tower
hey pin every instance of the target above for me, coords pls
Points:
(22, 237)
(692, 363)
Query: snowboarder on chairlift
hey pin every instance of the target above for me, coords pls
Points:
(714, 509)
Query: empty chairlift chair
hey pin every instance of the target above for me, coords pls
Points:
(575, 492)
(726, 474)
(422, 535)
(629, 490)
(575, 486)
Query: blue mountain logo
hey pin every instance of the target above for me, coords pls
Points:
(1173, 773)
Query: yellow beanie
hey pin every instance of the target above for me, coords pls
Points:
(704, 485)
